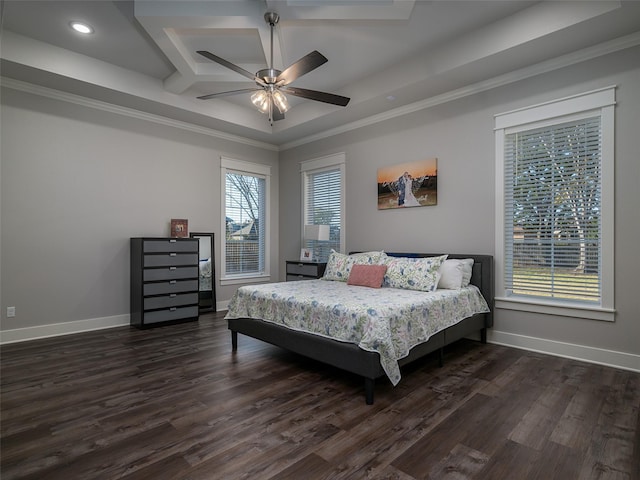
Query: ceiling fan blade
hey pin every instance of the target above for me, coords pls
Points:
(317, 96)
(226, 94)
(307, 63)
(231, 66)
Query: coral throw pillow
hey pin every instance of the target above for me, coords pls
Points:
(367, 275)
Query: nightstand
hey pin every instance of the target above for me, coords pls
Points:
(297, 270)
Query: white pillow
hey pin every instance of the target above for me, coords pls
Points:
(455, 273)
(467, 270)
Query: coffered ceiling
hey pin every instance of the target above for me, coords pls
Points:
(388, 56)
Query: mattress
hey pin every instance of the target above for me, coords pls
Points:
(388, 321)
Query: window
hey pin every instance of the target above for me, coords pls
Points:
(323, 202)
(245, 206)
(554, 249)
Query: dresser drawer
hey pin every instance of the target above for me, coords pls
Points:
(307, 269)
(168, 301)
(170, 245)
(173, 286)
(177, 313)
(169, 273)
(170, 259)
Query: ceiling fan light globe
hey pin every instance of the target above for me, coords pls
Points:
(264, 108)
(261, 100)
(281, 101)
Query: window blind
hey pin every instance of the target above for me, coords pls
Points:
(323, 206)
(553, 211)
(245, 212)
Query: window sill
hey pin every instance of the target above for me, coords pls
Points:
(245, 279)
(555, 308)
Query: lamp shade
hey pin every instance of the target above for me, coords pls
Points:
(316, 232)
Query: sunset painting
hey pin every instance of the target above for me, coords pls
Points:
(411, 184)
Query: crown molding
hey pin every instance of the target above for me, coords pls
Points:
(128, 112)
(612, 46)
(605, 48)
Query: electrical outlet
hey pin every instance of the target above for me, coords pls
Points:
(11, 312)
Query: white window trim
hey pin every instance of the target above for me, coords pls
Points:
(602, 102)
(239, 166)
(329, 162)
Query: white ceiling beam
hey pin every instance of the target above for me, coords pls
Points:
(41, 56)
(347, 10)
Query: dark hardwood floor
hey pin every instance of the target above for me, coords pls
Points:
(175, 403)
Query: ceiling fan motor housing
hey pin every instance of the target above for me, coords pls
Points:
(269, 75)
(271, 18)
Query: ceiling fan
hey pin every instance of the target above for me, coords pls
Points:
(273, 83)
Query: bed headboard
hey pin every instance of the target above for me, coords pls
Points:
(482, 276)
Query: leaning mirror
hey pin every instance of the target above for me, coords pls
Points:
(207, 283)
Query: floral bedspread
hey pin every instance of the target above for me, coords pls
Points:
(389, 321)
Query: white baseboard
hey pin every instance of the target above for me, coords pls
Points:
(610, 358)
(56, 329)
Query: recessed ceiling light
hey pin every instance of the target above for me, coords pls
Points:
(81, 27)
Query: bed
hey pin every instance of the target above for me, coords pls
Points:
(294, 316)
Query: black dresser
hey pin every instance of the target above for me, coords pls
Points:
(164, 280)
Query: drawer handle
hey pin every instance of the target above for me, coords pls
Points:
(172, 282)
(173, 240)
(173, 309)
(172, 295)
(172, 268)
(173, 254)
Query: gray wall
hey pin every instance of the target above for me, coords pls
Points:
(460, 134)
(77, 182)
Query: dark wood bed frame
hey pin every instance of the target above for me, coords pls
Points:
(352, 358)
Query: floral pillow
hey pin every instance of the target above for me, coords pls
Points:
(339, 265)
(413, 273)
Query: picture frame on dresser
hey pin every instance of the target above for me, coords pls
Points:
(179, 227)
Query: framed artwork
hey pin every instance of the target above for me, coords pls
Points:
(306, 255)
(179, 227)
(410, 184)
